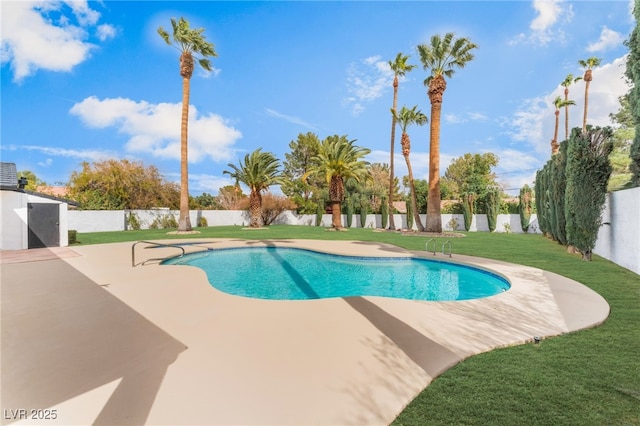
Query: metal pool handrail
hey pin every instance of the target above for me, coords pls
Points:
(133, 251)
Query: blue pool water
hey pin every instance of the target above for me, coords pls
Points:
(295, 274)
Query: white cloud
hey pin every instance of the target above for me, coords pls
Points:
(155, 128)
(543, 28)
(366, 81)
(105, 32)
(46, 163)
(290, 118)
(31, 40)
(206, 183)
(469, 116)
(608, 38)
(533, 123)
(81, 154)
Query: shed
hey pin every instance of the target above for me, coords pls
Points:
(29, 219)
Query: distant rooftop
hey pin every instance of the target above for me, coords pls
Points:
(8, 176)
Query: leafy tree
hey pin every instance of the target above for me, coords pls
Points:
(33, 182)
(588, 171)
(339, 160)
(399, 67)
(297, 163)
(259, 171)
(588, 65)
(633, 74)
(205, 201)
(569, 79)
(118, 185)
(406, 117)
(230, 197)
(441, 57)
(188, 41)
(472, 173)
(377, 186)
(273, 205)
(525, 206)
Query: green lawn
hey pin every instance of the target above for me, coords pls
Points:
(591, 377)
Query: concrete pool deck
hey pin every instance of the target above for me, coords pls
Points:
(101, 342)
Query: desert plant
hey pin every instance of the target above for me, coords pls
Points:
(364, 210)
(453, 224)
(202, 222)
(349, 212)
(409, 215)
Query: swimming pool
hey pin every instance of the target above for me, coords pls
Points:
(284, 273)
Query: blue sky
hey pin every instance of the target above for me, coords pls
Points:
(88, 81)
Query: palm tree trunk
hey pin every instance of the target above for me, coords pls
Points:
(255, 209)
(554, 141)
(392, 223)
(586, 103)
(336, 195)
(566, 113)
(184, 222)
(437, 87)
(414, 202)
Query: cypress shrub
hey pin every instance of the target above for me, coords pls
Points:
(538, 200)
(587, 173)
(525, 207)
(468, 201)
(384, 212)
(349, 212)
(319, 212)
(364, 209)
(558, 188)
(409, 214)
(493, 206)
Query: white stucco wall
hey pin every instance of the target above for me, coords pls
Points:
(619, 236)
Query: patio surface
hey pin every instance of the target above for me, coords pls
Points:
(101, 342)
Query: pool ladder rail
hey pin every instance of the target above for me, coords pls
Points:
(446, 247)
(133, 252)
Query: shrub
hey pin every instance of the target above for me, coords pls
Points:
(468, 202)
(453, 224)
(133, 222)
(73, 236)
(524, 206)
(588, 171)
(493, 205)
(273, 205)
(202, 222)
(364, 209)
(349, 212)
(319, 212)
(384, 212)
(167, 221)
(409, 214)
(453, 207)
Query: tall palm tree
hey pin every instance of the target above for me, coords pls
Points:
(406, 117)
(259, 171)
(568, 81)
(441, 57)
(399, 67)
(557, 103)
(337, 161)
(188, 41)
(588, 65)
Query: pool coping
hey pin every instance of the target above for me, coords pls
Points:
(235, 360)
